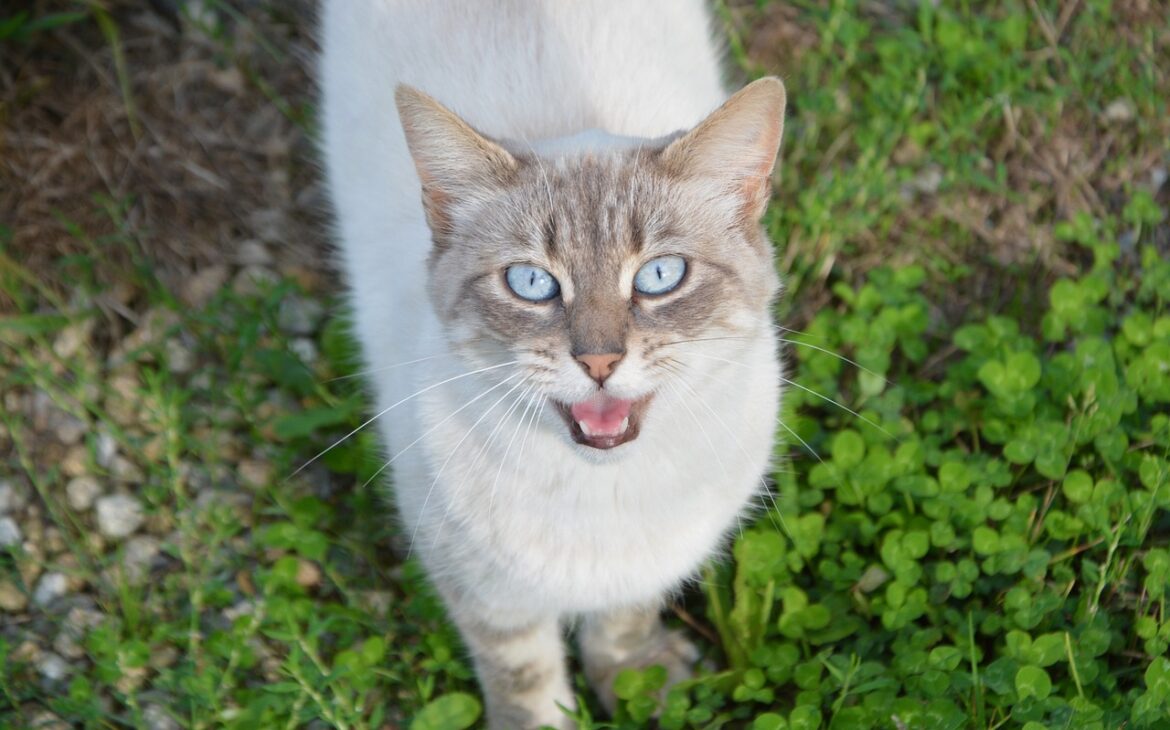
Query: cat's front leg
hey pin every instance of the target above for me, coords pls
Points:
(521, 669)
(632, 638)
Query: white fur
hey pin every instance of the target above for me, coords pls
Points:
(553, 529)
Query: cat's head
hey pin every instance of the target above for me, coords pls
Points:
(596, 269)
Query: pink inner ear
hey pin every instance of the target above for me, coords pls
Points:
(757, 186)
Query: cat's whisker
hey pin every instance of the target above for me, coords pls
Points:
(702, 429)
(838, 356)
(810, 391)
(535, 419)
(705, 339)
(391, 407)
(384, 368)
(455, 450)
(528, 404)
(436, 427)
(845, 408)
(796, 343)
(795, 435)
(780, 422)
(483, 450)
(735, 438)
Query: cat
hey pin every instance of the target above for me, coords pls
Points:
(549, 219)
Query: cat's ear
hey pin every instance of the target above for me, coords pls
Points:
(455, 163)
(735, 147)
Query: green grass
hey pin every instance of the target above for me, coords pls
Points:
(982, 544)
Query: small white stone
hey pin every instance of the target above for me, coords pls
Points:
(107, 449)
(78, 622)
(12, 599)
(119, 515)
(52, 667)
(179, 357)
(253, 253)
(73, 338)
(126, 471)
(11, 498)
(254, 473)
(269, 223)
(200, 288)
(156, 718)
(1120, 111)
(299, 316)
(1158, 177)
(137, 557)
(80, 493)
(252, 280)
(9, 532)
(49, 588)
(48, 721)
(68, 428)
(305, 349)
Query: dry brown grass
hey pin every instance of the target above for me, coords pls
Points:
(222, 152)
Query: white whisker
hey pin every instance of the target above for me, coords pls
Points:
(738, 443)
(431, 489)
(810, 391)
(436, 427)
(389, 408)
(371, 371)
(781, 423)
(483, 450)
(670, 381)
(533, 421)
(838, 356)
(529, 404)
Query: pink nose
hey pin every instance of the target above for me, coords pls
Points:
(600, 367)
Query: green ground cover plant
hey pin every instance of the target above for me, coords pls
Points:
(969, 519)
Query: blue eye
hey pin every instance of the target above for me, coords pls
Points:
(532, 283)
(660, 275)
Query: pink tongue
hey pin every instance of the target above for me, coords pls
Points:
(602, 414)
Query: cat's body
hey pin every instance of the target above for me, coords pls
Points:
(520, 527)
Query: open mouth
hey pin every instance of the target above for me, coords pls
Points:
(602, 421)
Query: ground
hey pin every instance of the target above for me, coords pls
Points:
(173, 352)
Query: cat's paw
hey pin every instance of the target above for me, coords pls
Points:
(667, 648)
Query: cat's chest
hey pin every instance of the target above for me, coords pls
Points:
(588, 537)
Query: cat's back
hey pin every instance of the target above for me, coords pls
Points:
(523, 69)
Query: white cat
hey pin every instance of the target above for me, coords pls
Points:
(564, 300)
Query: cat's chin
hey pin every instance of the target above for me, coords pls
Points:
(583, 420)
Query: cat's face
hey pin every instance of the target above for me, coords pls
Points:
(602, 272)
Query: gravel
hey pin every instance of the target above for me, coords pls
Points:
(299, 316)
(78, 622)
(12, 498)
(9, 533)
(254, 473)
(81, 492)
(252, 280)
(119, 515)
(49, 588)
(107, 448)
(253, 253)
(305, 349)
(156, 718)
(138, 556)
(51, 666)
(200, 288)
(12, 599)
(1120, 111)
